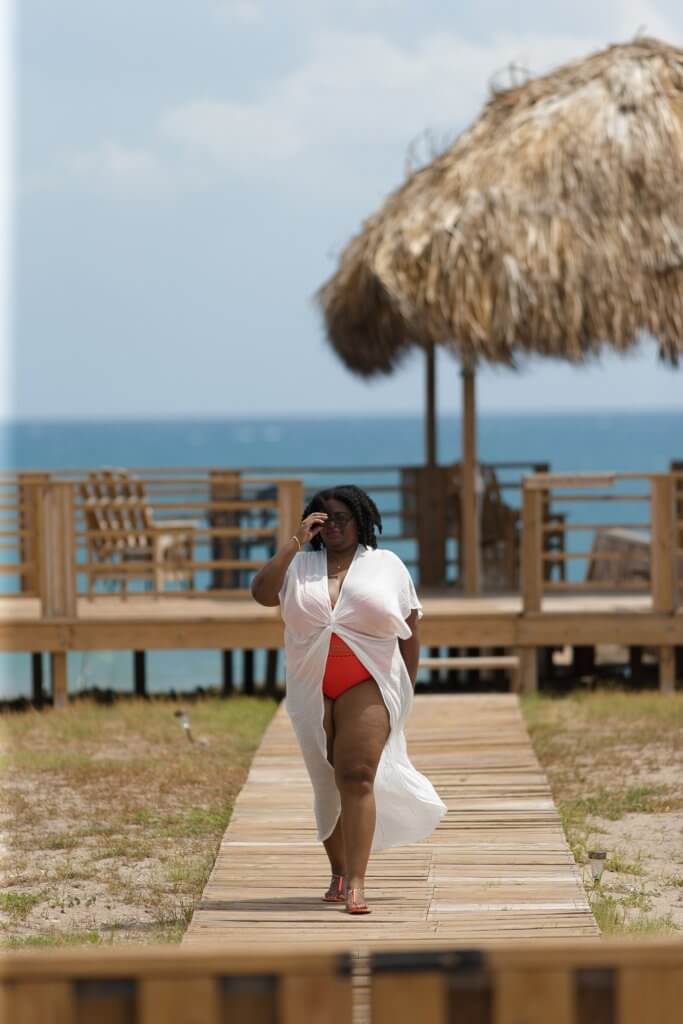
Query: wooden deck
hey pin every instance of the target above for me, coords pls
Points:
(142, 622)
(497, 868)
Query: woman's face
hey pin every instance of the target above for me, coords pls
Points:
(340, 531)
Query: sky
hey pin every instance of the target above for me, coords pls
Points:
(180, 178)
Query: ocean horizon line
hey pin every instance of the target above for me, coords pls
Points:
(330, 416)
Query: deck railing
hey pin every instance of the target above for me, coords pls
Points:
(203, 533)
(195, 532)
(68, 538)
(639, 556)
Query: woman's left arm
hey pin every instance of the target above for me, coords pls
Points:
(410, 648)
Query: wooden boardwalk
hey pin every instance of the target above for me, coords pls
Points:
(497, 867)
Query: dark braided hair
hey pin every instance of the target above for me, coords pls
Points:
(359, 504)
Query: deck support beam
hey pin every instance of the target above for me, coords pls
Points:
(140, 673)
(667, 670)
(59, 678)
(37, 678)
(528, 669)
(228, 675)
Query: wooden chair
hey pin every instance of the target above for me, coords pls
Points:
(124, 535)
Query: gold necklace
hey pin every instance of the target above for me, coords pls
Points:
(339, 570)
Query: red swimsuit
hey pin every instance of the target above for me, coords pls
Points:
(342, 669)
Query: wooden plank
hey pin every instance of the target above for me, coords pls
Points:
(183, 1001)
(533, 997)
(40, 1002)
(485, 661)
(650, 994)
(316, 1000)
(409, 997)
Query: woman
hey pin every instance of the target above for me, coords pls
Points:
(351, 639)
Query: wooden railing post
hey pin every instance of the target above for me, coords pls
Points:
(532, 548)
(224, 485)
(663, 568)
(662, 543)
(290, 506)
(57, 569)
(57, 542)
(29, 551)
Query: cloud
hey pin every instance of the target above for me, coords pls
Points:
(356, 96)
(248, 12)
(641, 16)
(123, 171)
(356, 90)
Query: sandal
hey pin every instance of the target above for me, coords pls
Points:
(335, 892)
(355, 902)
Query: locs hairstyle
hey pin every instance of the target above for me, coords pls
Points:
(359, 504)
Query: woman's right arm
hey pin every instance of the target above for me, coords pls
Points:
(267, 583)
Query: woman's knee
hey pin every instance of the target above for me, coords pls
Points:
(355, 779)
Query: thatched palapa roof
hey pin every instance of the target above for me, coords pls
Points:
(553, 225)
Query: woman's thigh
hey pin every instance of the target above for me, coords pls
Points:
(361, 728)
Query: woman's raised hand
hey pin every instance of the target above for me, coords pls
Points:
(310, 526)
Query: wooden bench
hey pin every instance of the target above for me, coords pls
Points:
(510, 662)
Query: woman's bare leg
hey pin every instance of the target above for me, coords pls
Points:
(334, 844)
(361, 728)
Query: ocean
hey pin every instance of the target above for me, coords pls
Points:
(620, 441)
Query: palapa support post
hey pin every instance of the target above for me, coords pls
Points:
(663, 566)
(430, 405)
(533, 499)
(468, 493)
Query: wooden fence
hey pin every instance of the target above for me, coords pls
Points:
(588, 983)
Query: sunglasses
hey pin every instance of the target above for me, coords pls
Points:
(339, 519)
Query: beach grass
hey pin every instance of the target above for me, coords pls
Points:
(112, 817)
